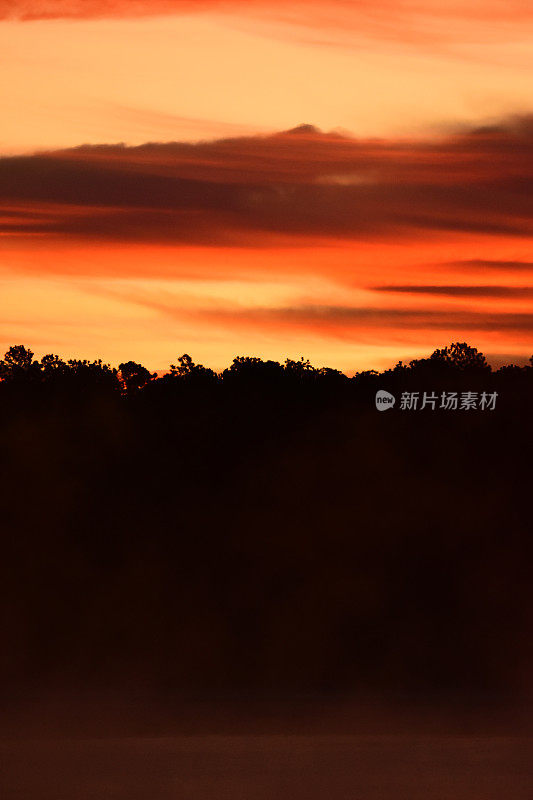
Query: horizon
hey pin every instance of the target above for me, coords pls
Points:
(494, 363)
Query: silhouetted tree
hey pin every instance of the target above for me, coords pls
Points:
(331, 376)
(366, 376)
(461, 356)
(251, 370)
(189, 370)
(93, 375)
(52, 366)
(18, 362)
(302, 367)
(135, 376)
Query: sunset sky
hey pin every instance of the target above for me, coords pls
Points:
(345, 181)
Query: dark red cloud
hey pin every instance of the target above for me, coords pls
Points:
(482, 264)
(516, 292)
(301, 183)
(342, 319)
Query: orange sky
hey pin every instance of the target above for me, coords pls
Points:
(404, 226)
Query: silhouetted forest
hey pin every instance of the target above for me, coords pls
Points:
(265, 530)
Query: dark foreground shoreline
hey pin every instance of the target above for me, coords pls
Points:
(263, 767)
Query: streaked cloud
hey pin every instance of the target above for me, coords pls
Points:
(347, 321)
(518, 292)
(246, 190)
(482, 264)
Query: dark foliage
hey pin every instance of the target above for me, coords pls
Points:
(266, 529)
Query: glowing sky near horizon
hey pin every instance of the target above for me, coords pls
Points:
(401, 231)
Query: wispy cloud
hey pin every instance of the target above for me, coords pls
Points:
(317, 13)
(464, 28)
(334, 321)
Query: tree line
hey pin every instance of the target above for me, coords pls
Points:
(457, 359)
(263, 530)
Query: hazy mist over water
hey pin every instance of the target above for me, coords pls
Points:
(67, 749)
(263, 767)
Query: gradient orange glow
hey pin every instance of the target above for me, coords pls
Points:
(352, 249)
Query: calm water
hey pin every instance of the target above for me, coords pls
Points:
(267, 767)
